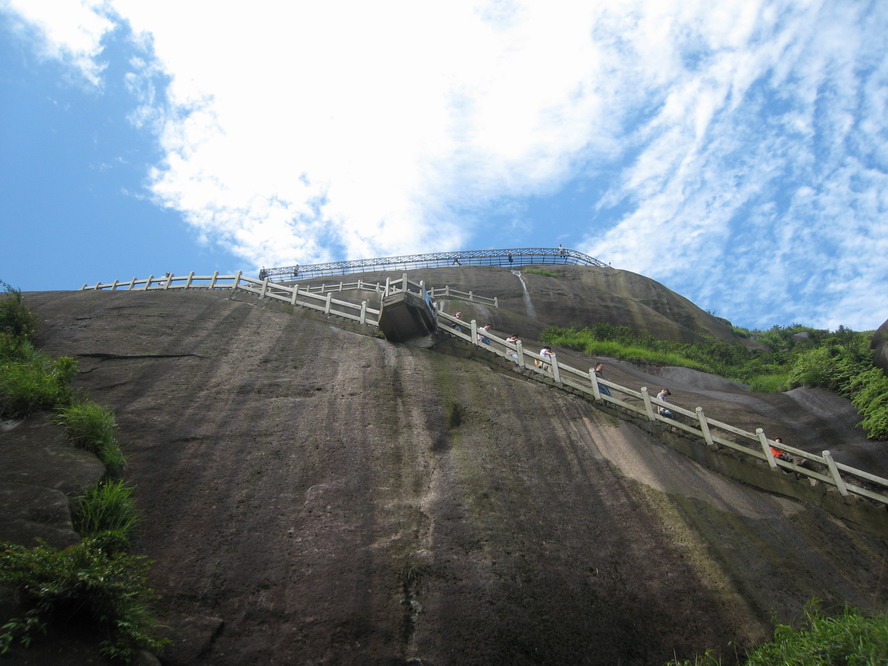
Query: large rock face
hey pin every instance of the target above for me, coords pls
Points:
(578, 296)
(316, 494)
(40, 477)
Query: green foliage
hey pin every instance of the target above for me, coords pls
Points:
(108, 514)
(840, 361)
(537, 271)
(91, 427)
(16, 318)
(812, 368)
(870, 396)
(849, 639)
(774, 382)
(31, 380)
(80, 584)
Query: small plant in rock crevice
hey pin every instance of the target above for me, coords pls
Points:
(108, 515)
(91, 427)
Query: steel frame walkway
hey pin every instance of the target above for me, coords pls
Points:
(523, 256)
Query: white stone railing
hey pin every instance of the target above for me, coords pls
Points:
(712, 432)
(360, 312)
(380, 287)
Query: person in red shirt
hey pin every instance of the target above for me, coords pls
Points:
(777, 453)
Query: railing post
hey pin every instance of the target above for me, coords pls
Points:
(556, 373)
(169, 280)
(295, 294)
(648, 407)
(474, 332)
(327, 304)
(83, 288)
(190, 280)
(363, 312)
(471, 297)
(114, 286)
(594, 379)
(404, 281)
(213, 281)
(340, 285)
(704, 426)
(519, 349)
(98, 286)
(264, 288)
(766, 448)
(496, 301)
(132, 283)
(388, 282)
(834, 471)
(360, 284)
(447, 290)
(148, 282)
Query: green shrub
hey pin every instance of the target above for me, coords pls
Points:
(34, 381)
(91, 427)
(537, 271)
(81, 584)
(870, 389)
(15, 317)
(769, 383)
(108, 513)
(812, 368)
(849, 639)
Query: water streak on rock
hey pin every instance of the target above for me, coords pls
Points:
(528, 305)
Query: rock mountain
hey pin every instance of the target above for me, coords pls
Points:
(315, 494)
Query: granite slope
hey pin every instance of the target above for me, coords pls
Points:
(314, 494)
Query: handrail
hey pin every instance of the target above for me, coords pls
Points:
(522, 256)
(361, 312)
(435, 292)
(708, 429)
(714, 433)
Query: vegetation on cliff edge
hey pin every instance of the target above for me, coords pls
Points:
(849, 638)
(791, 356)
(95, 581)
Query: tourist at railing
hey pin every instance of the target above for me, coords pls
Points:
(777, 453)
(546, 354)
(483, 339)
(513, 339)
(599, 372)
(663, 411)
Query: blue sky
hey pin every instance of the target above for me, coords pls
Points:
(735, 151)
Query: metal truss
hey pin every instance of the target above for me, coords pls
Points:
(523, 256)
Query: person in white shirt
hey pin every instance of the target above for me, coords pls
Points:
(546, 355)
(662, 411)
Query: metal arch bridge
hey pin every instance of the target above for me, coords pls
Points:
(523, 256)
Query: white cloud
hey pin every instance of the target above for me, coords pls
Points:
(794, 109)
(67, 30)
(314, 131)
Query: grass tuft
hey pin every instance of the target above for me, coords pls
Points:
(848, 639)
(91, 428)
(108, 514)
